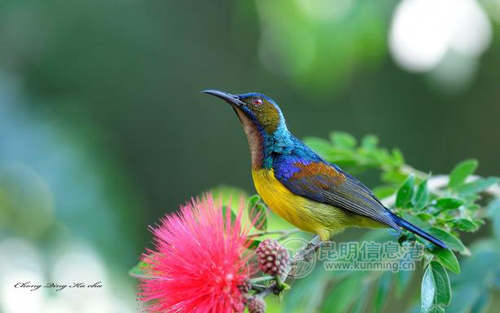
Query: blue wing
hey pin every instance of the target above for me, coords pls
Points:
(326, 183)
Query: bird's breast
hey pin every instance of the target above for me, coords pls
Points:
(282, 201)
(304, 213)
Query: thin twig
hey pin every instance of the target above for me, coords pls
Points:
(284, 233)
(407, 169)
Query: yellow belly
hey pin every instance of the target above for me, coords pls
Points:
(319, 218)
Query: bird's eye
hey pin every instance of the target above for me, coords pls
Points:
(257, 101)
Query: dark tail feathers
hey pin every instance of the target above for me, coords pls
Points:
(414, 229)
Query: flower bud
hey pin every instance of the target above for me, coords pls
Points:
(272, 258)
(245, 286)
(256, 305)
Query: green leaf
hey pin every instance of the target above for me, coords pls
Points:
(464, 224)
(405, 193)
(450, 240)
(397, 158)
(447, 258)
(393, 176)
(422, 195)
(138, 271)
(257, 212)
(254, 243)
(461, 172)
(343, 140)
(253, 200)
(425, 217)
(449, 203)
(369, 142)
(427, 291)
(477, 186)
(415, 220)
(442, 283)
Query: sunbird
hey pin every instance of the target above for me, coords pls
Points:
(300, 186)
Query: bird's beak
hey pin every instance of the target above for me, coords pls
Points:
(229, 98)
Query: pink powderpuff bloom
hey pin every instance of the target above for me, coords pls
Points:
(199, 262)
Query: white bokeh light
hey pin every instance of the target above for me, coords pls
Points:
(21, 300)
(20, 262)
(473, 31)
(424, 31)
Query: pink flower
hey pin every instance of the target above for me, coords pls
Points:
(199, 262)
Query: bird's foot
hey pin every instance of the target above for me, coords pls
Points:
(308, 252)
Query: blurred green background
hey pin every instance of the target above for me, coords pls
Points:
(103, 128)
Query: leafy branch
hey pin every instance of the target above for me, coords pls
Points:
(447, 206)
(444, 205)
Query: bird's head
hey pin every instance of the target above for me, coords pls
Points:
(255, 110)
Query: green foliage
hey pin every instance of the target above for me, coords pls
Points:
(449, 239)
(404, 196)
(449, 203)
(447, 259)
(139, 270)
(461, 172)
(452, 207)
(477, 186)
(254, 244)
(318, 50)
(422, 195)
(445, 206)
(436, 288)
(343, 150)
(428, 291)
(442, 282)
(257, 212)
